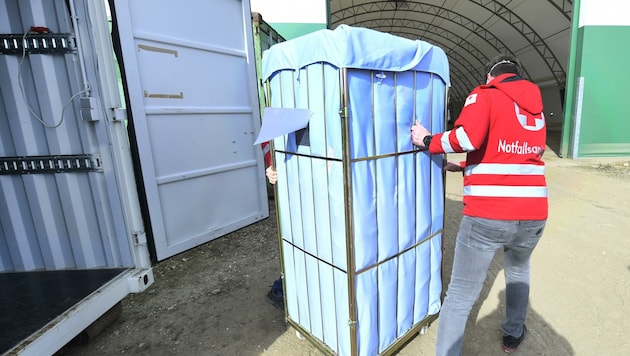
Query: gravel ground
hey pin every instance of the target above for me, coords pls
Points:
(211, 300)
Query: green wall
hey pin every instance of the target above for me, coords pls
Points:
(293, 30)
(602, 62)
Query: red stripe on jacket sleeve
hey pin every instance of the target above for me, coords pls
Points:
(266, 147)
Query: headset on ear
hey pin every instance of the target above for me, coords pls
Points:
(505, 61)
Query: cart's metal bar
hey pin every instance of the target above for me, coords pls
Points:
(347, 184)
(395, 347)
(353, 160)
(400, 253)
(322, 77)
(316, 342)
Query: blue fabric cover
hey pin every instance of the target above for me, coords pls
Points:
(359, 48)
(392, 210)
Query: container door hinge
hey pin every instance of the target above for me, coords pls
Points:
(120, 114)
(139, 238)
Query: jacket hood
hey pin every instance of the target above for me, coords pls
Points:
(525, 93)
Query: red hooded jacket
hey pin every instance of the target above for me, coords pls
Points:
(502, 129)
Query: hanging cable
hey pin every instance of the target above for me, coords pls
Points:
(21, 85)
(86, 86)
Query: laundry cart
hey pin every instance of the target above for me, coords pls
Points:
(360, 209)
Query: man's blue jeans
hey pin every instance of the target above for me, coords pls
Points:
(478, 240)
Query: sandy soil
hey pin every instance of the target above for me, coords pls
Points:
(211, 300)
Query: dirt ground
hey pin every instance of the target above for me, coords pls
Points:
(211, 300)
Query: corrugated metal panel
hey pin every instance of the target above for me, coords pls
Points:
(64, 218)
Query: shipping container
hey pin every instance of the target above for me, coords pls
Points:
(94, 190)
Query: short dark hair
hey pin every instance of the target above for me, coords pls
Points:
(502, 64)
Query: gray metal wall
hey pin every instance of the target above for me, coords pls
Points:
(55, 213)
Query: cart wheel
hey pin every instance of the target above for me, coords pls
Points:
(299, 335)
(424, 329)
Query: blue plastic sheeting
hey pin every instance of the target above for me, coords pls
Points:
(360, 210)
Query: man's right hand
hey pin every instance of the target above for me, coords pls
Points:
(418, 132)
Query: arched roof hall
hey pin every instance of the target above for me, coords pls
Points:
(473, 31)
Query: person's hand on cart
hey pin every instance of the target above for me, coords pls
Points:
(272, 175)
(418, 133)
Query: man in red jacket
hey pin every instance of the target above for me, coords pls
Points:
(502, 130)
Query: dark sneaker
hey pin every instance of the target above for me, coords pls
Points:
(275, 299)
(510, 343)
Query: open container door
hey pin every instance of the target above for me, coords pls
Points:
(72, 242)
(191, 83)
